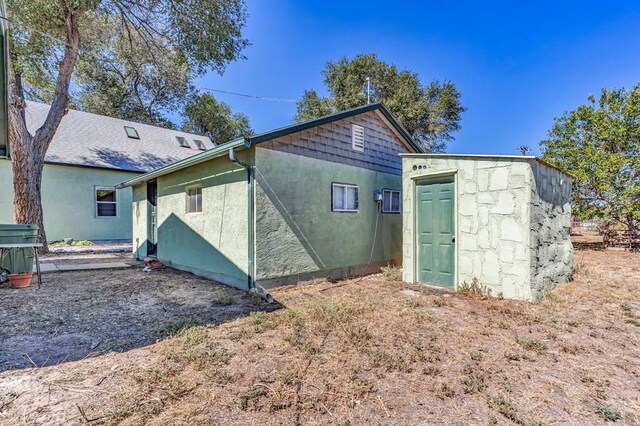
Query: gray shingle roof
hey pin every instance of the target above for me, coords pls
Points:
(93, 140)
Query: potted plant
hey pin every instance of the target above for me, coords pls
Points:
(20, 280)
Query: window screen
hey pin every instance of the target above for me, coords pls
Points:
(194, 200)
(344, 198)
(106, 201)
(390, 201)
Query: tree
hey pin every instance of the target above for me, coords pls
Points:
(430, 113)
(47, 37)
(206, 116)
(599, 144)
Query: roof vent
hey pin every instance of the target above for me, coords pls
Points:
(357, 137)
(200, 144)
(183, 142)
(131, 132)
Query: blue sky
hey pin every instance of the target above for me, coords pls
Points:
(517, 64)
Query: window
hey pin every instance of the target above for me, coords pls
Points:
(200, 144)
(344, 198)
(194, 200)
(183, 142)
(357, 137)
(390, 201)
(106, 202)
(131, 132)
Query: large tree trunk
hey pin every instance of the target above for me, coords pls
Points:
(28, 151)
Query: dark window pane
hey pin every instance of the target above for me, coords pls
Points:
(106, 209)
(106, 195)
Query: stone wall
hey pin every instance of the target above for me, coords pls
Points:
(551, 248)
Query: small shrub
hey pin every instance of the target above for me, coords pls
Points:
(534, 345)
(505, 407)
(440, 302)
(391, 273)
(473, 382)
(474, 289)
(608, 412)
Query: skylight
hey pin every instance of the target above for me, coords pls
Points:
(200, 144)
(183, 142)
(131, 132)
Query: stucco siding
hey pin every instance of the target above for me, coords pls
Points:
(141, 209)
(297, 234)
(68, 202)
(214, 242)
(552, 251)
(332, 142)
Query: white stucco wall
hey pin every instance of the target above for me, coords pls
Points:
(496, 240)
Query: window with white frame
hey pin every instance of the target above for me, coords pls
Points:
(390, 201)
(357, 137)
(194, 200)
(344, 197)
(106, 201)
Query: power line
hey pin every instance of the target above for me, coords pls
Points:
(244, 95)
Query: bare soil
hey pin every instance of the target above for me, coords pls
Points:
(87, 313)
(371, 351)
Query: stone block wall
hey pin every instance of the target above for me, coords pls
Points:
(497, 240)
(551, 248)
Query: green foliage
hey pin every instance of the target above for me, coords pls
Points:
(474, 289)
(599, 144)
(137, 58)
(204, 115)
(430, 113)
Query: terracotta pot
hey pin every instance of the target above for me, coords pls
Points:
(20, 280)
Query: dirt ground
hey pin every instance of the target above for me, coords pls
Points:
(87, 313)
(371, 351)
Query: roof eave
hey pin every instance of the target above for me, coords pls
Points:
(215, 152)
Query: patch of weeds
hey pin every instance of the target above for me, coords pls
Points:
(194, 346)
(250, 399)
(608, 412)
(122, 345)
(174, 328)
(573, 323)
(516, 356)
(225, 300)
(440, 302)
(571, 348)
(534, 345)
(238, 335)
(446, 391)
(504, 406)
(431, 370)
(391, 273)
(474, 289)
(220, 376)
(476, 356)
(261, 322)
(473, 381)
(358, 336)
(387, 361)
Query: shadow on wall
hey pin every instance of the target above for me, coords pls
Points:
(181, 246)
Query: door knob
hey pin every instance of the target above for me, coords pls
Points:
(453, 239)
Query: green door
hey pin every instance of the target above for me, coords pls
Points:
(435, 231)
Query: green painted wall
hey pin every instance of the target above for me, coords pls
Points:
(212, 243)
(68, 200)
(300, 235)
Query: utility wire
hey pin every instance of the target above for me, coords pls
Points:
(206, 89)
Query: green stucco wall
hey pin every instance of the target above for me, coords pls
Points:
(297, 234)
(68, 202)
(212, 243)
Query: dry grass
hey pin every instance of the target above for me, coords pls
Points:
(368, 352)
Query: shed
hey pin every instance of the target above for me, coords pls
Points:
(503, 220)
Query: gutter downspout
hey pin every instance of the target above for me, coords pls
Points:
(251, 283)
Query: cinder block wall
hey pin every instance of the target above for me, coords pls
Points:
(501, 220)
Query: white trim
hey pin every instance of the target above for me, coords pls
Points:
(345, 185)
(95, 201)
(357, 137)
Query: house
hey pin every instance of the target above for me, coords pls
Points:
(502, 220)
(88, 156)
(315, 199)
